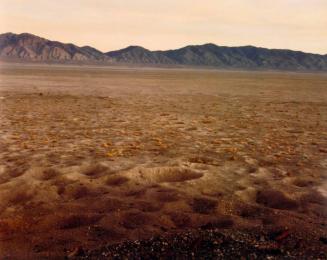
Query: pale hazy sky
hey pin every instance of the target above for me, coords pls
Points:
(167, 24)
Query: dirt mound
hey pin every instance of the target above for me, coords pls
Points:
(275, 199)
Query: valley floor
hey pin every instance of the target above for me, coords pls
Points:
(92, 157)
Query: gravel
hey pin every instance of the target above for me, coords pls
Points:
(213, 244)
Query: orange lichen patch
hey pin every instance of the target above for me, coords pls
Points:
(115, 153)
(160, 143)
(107, 144)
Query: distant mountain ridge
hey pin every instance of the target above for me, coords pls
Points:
(140, 55)
(28, 47)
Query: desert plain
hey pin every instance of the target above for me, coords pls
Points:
(91, 156)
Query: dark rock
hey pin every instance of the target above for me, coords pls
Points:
(323, 240)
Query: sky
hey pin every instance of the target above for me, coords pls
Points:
(169, 24)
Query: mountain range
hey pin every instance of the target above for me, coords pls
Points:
(27, 47)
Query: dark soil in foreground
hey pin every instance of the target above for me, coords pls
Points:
(215, 244)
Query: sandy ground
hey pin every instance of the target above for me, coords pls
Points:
(91, 156)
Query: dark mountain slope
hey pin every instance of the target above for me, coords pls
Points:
(248, 57)
(30, 47)
(140, 55)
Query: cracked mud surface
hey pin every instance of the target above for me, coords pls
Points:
(95, 156)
